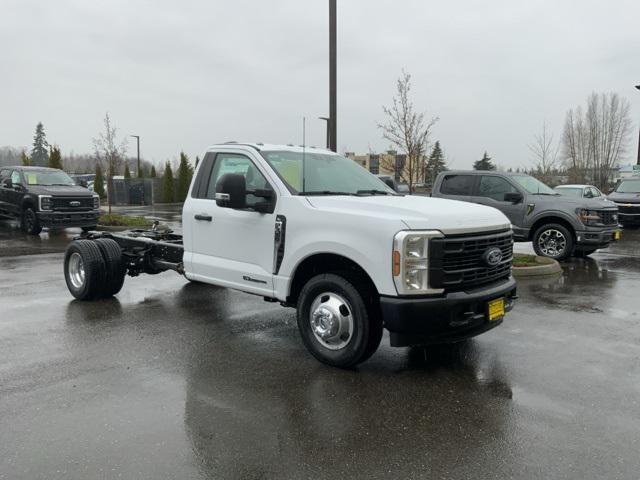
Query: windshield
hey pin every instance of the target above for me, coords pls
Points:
(324, 174)
(47, 177)
(569, 192)
(628, 186)
(533, 185)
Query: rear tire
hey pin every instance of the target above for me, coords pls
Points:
(30, 222)
(338, 323)
(114, 266)
(554, 241)
(84, 269)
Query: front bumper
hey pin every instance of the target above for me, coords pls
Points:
(629, 218)
(588, 239)
(69, 219)
(449, 318)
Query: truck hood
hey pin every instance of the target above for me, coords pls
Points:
(62, 190)
(418, 213)
(625, 197)
(587, 203)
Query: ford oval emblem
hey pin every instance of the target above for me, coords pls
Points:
(492, 256)
(75, 203)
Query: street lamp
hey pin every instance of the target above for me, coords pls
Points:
(638, 161)
(328, 120)
(137, 137)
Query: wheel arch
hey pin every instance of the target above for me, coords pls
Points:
(318, 263)
(552, 219)
(29, 201)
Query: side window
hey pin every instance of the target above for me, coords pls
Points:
(3, 174)
(234, 163)
(494, 187)
(15, 177)
(595, 192)
(457, 185)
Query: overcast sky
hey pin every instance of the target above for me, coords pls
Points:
(186, 74)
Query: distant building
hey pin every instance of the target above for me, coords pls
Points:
(389, 163)
(626, 171)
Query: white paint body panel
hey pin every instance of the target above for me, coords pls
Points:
(237, 244)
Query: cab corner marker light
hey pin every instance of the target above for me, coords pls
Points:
(396, 263)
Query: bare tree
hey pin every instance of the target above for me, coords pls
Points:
(109, 151)
(595, 141)
(545, 154)
(409, 131)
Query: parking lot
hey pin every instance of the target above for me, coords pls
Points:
(178, 380)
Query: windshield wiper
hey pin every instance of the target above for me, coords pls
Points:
(373, 192)
(324, 192)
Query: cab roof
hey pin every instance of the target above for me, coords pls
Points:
(270, 147)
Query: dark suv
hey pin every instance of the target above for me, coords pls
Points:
(46, 197)
(559, 226)
(626, 196)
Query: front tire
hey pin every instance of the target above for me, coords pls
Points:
(30, 223)
(554, 241)
(338, 319)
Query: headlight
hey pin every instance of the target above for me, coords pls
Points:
(411, 261)
(96, 202)
(45, 202)
(589, 217)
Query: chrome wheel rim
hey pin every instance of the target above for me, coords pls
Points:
(76, 270)
(331, 320)
(552, 242)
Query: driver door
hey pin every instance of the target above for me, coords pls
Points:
(231, 247)
(490, 192)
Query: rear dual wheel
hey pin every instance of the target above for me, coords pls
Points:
(94, 269)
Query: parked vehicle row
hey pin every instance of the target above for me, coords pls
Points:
(559, 226)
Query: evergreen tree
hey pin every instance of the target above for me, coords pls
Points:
(484, 163)
(153, 174)
(197, 161)
(24, 158)
(98, 182)
(436, 163)
(167, 184)
(39, 154)
(55, 157)
(127, 172)
(185, 172)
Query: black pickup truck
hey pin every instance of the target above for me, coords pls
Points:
(46, 197)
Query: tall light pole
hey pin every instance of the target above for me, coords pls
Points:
(328, 141)
(638, 161)
(332, 76)
(137, 137)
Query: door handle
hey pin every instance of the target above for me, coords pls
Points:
(206, 218)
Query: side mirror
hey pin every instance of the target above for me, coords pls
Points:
(6, 183)
(588, 195)
(231, 191)
(513, 197)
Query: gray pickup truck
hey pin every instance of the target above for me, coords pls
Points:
(558, 226)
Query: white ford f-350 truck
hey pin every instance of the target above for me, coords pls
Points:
(315, 231)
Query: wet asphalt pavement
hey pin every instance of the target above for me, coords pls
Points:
(178, 380)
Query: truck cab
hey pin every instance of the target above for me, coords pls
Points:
(313, 230)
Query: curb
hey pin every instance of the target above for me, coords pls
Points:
(110, 228)
(546, 266)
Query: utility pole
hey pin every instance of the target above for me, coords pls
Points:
(332, 77)
(137, 137)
